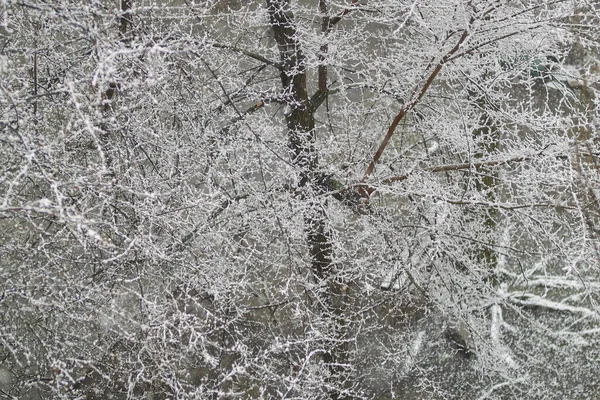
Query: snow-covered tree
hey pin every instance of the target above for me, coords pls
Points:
(299, 199)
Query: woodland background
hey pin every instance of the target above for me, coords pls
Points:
(325, 199)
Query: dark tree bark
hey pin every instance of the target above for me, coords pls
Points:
(300, 123)
(125, 18)
(301, 132)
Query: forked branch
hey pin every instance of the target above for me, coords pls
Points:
(327, 24)
(418, 95)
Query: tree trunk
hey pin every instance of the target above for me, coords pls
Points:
(300, 122)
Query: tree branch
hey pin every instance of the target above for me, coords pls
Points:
(366, 190)
(506, 206)
(412, 104)
(318, 98)
(333, 21)
(250, 54)
(125, 19)
(532, 300)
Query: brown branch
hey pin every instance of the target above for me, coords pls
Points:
(35, 77)
(327, 24)
(318, 98)
(366, 190)
(333, 21)
(241, 115)
(473, 49)
(507, 206)
(456, 167)
(125, 20)
(412, 104)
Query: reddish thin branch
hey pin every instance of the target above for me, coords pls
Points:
(338, 18)
(457, 167)
(412, 104)
(366, 191)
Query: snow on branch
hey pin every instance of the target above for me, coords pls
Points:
(529, 299)
(495, 333)
(558, 282)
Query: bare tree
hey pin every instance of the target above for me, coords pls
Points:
(299, 199)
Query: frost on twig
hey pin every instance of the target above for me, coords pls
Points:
(203, 235)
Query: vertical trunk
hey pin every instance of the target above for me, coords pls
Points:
(301, 132)
(487, 136)
(324, 48)
(125, 18)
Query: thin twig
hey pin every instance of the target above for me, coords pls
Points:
(250, 54)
